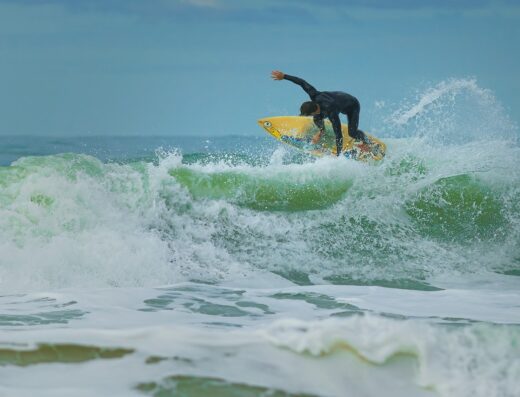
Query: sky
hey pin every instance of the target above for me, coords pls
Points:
(201, 67)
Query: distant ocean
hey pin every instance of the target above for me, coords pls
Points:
(235, 266)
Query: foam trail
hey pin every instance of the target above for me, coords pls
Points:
(445, 88)
(456, 111)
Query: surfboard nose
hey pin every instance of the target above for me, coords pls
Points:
(267, 125)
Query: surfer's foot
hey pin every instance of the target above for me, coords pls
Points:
(366, 140)
(363, 146)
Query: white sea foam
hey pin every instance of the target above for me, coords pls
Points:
(73, 221)
(362, 354)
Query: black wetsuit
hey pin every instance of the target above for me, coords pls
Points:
(332, 103)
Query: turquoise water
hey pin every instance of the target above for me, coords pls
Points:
(233, 266)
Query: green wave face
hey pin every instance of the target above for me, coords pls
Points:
(191, 386)
(458, 208)
(58, 353)
(265, 193)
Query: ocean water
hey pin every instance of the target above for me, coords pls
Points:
(234, 266)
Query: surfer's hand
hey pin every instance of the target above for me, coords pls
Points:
(277, 75)
(317, 137)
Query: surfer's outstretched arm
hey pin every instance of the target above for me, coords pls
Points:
(309, 89)
(336, 125)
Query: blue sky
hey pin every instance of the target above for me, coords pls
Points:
(182, 67)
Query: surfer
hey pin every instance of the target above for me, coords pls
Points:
(328, 104)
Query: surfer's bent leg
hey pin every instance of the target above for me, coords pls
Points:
(336, 126)
(353, 122)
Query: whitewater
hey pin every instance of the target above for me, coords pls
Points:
(234, 266)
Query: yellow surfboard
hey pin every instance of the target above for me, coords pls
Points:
(298, 131)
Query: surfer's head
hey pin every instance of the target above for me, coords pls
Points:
(309, 108)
